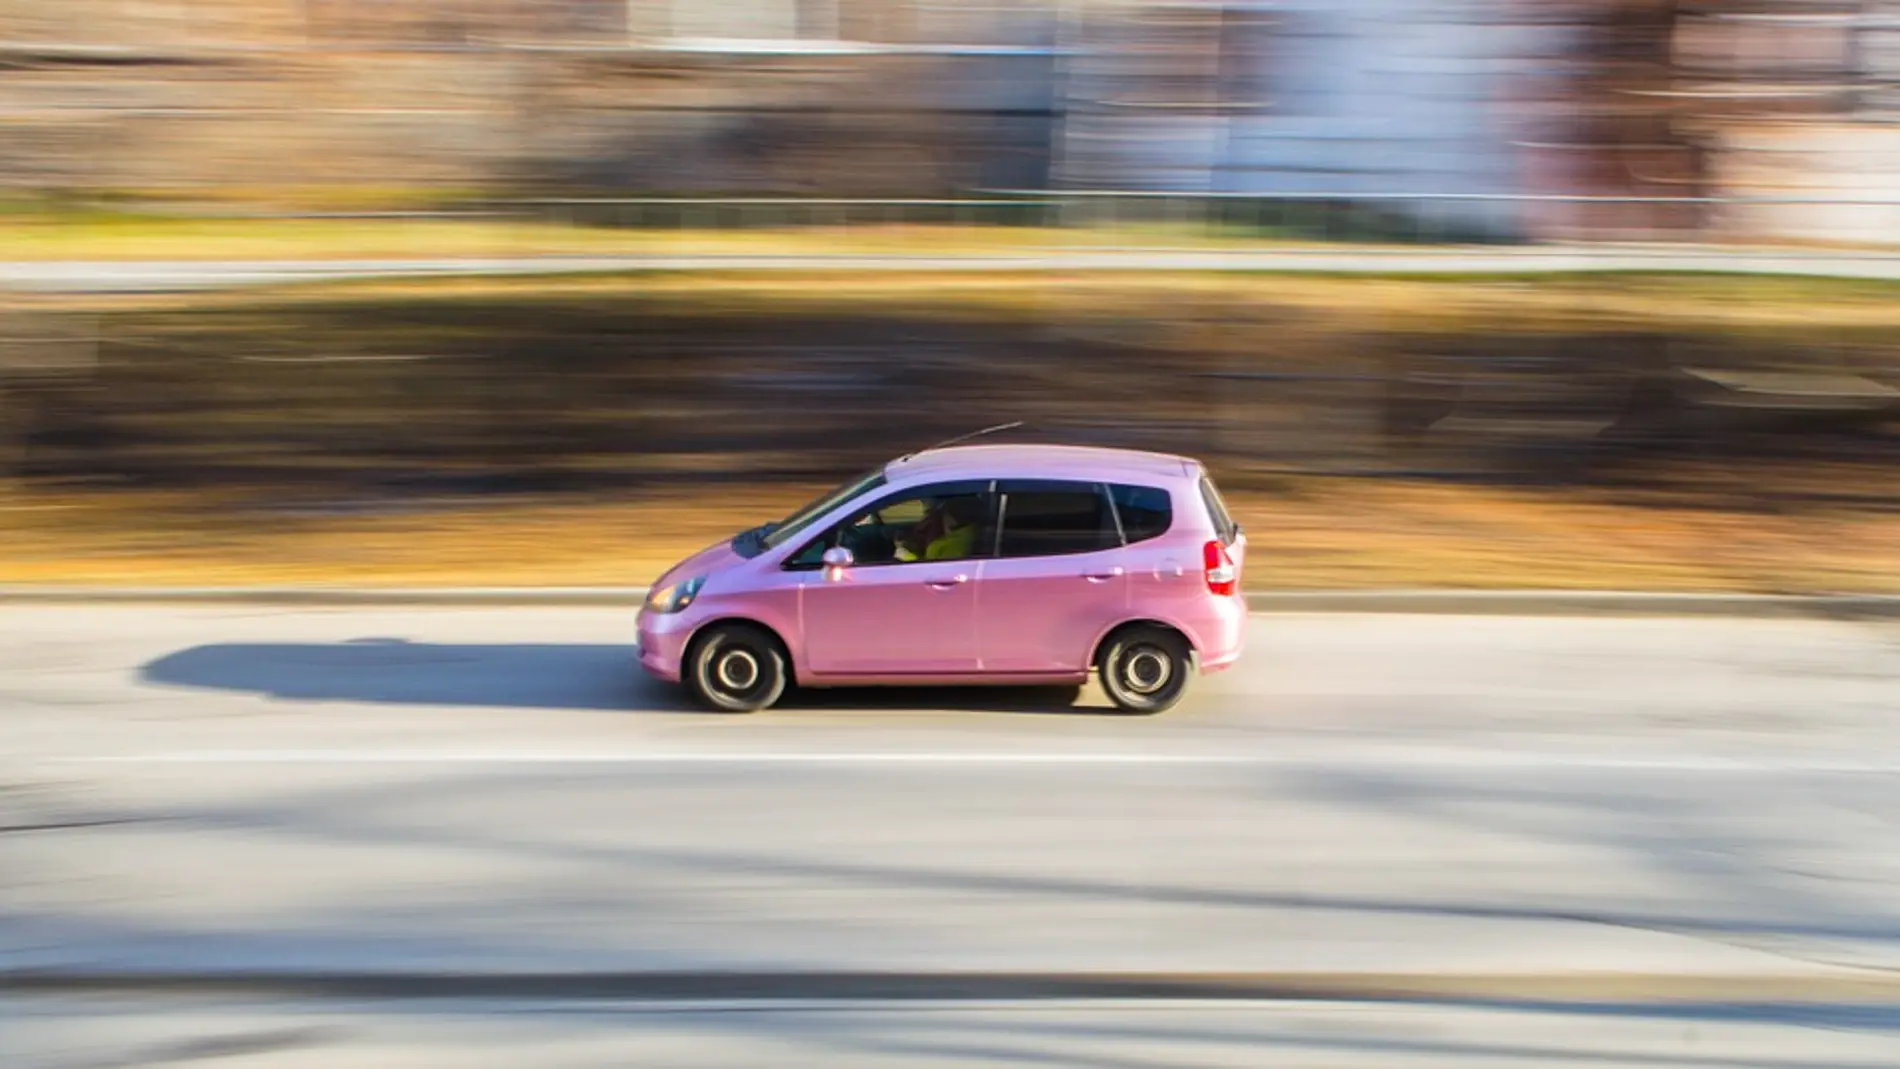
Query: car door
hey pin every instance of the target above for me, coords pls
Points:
(1058, 580)
(888, 616)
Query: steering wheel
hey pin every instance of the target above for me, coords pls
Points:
(869, 543)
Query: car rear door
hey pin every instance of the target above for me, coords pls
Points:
(1058, 579)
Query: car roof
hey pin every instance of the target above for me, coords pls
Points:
(1038, 462)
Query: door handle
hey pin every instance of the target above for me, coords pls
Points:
(1103, 577)
(947, 584)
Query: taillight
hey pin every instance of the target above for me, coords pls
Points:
(1222, 577)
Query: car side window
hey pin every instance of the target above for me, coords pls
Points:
(946, 521)
(1055, 518)
(1146, 511)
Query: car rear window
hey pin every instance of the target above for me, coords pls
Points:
(1224, 523)
(1146, 511)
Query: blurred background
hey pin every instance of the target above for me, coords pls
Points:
(1583, 295)
(700, 256)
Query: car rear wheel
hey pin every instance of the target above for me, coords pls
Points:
(1145, 669)
(736, 668)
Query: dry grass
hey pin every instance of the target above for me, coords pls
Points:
(1215, 300)
(1308, 534)
(1197, 309)
(109, 237)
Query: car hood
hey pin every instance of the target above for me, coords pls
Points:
(708, 561)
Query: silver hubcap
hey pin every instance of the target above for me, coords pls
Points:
(1146, 670)
(736, 670)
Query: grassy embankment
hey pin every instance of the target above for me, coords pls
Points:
(1709, 524)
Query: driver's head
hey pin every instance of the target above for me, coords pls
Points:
(961, 511)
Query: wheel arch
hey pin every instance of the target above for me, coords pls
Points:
(1108, 635)
(691, 647)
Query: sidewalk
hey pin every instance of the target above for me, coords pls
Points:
(103, 276)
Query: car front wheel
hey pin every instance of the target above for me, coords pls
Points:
(736, 668)
(1146, 670)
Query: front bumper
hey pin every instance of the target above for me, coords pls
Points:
(663, 638)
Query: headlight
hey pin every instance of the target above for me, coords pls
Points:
(676, 597)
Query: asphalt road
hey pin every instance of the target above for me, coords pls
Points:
(1320, 1035)
(332, 795)
(106, 276)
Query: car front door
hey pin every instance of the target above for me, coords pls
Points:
(895, 611)
(1058, 581)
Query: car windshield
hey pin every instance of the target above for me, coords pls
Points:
(777, 534)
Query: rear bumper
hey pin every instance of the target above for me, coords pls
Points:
(1221, 663)
(1223, 637)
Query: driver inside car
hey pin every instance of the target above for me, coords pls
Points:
(947, 532)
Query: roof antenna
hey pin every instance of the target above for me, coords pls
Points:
(961, 438)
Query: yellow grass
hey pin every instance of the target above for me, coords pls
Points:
(1202, 312)
(108, 237)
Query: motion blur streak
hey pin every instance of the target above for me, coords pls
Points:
(1449, 295)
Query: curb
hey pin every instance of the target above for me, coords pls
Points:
(622, 597)
(1580, 603)
(1418, 602)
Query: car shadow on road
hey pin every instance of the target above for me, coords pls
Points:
(398, 672)
(575, 676)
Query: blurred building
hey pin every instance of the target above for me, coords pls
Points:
(835, 97)
(1340, 98)
(1730, 99)
(1634, 102)
(1631, 102)
(1800, 102)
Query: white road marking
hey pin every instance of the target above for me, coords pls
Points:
(1446, 759)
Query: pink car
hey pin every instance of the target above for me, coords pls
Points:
(1014, 564)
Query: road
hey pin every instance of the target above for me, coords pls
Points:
(1320, 1035)
(173, 275)
(1465, 810)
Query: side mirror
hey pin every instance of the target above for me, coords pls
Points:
(836, 559)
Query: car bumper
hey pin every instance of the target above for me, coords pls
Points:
(663, 644)
(1224, 637)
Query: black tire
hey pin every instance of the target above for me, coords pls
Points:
(736, 668)
(1145, 669)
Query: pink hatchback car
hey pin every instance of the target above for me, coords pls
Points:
(1020, 564)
